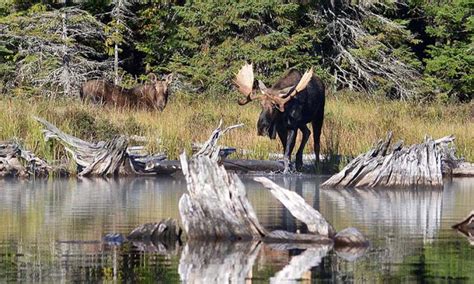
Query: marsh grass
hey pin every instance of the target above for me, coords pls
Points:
(351, 125)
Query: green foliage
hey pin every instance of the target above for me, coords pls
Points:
(450, 67)
(208, 41)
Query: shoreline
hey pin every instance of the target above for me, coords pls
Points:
(351, 125)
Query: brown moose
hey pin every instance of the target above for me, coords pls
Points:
(153, 95)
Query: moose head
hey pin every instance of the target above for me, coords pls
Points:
(157, 95)
(272, 100)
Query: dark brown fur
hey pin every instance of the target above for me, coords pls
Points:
(306, 107)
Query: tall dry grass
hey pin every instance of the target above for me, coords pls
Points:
(351, 125)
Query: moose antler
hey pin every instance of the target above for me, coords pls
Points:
(304, 81)
(244, 81)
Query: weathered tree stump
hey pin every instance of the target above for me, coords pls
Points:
(420, 165)
(101, 159)
(216, 206)
(16, 161)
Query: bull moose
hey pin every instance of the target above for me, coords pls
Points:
(290, 104)
(152, 95)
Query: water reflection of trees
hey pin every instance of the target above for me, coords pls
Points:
(85, 209)
(52, 230)
(399, 224)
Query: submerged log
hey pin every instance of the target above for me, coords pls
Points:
(236, 165)
(299, 208)
(16, 161)
(103, 158)
(463, 169)
(419, 165)
(166, 230)
(466, 227)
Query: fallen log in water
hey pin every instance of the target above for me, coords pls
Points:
(16, 161)
(114, 156)
(299, 208)
(236, 165)
(466, 227)
(166, 230)
(420, 165)
(463, 169)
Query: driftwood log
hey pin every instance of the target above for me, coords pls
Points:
(236, 165)
(16, 161)
(116, 157)
(419, 165)
(102, 159)
(466, 227)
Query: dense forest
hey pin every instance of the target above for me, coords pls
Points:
(408, 50)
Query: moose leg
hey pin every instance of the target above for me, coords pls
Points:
(299, 155)
(282, 134)
(317, 126)
(290, 144)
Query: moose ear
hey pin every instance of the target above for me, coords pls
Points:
(169, 78)
(262, 87)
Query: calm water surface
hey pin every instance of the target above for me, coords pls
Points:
(51, 231)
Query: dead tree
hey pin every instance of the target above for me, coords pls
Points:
(16, 161)
(120, 31)
(103, 158)
(419, 165)
(349, 37)
(56, 50)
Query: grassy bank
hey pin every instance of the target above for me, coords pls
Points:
(351, 125)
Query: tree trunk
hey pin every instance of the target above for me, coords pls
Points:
(65, 76)
(116, 63)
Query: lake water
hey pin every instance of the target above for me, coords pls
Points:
(51, 231)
